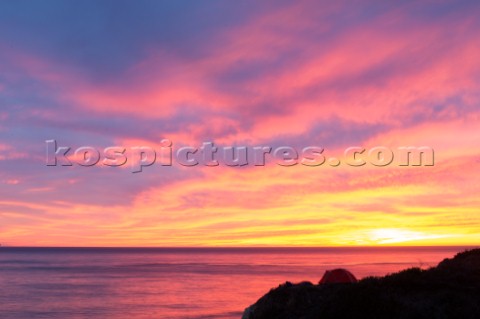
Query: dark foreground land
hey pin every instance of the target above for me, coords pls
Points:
(450, 290)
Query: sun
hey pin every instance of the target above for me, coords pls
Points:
(395, 235)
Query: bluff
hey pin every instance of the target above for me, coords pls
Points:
(450, 290)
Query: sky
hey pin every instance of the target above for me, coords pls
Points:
(328, 74)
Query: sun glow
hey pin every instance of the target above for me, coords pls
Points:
(395, 236)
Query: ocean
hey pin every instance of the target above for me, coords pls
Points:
(176, 283)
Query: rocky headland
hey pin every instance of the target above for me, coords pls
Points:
(450, 290)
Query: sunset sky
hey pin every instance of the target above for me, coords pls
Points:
(333, 74)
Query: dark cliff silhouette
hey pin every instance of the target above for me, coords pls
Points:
(450, 290)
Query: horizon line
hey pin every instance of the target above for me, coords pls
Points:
(247, 247)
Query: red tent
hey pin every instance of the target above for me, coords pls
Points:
(337, 276)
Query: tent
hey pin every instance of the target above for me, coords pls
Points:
(337, 276)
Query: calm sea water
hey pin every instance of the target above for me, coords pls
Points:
(164, 283)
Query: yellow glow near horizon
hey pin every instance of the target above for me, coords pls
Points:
(395, 236)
